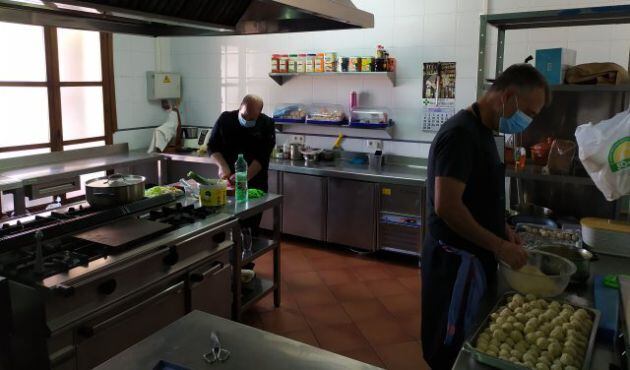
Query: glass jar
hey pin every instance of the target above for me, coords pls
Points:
(275, 63)
(292, 67)
(283, 66)
(310, 63)
(301, 63)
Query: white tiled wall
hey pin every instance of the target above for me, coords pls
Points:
(133, 57)
(218, 71)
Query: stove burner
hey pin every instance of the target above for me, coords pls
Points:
(179, 215)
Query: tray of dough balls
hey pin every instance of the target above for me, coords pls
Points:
(526, 332)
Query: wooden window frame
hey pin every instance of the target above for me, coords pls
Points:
(53, 87)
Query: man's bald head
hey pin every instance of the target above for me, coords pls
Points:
(251, 107)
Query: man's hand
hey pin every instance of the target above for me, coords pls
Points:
(511, 253)
(512, 236)
(224, 172)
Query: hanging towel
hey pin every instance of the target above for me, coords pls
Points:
(164, 133)
(471, 277)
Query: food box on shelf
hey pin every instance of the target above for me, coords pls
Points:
(370, 118)
(326, 114)
(289, 113)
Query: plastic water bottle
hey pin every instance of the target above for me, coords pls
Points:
(240, 167)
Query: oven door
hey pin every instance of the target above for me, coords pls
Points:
(111, 333)
(211, 287)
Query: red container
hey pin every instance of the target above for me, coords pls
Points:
(540, 152)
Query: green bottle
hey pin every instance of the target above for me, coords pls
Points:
(240, 169)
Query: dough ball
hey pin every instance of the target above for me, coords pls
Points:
(582, 314)
(514, 359)
(571, 351)
(493, 348)
(556, 367)
(482, 346)
(505, 312)
(494, 327)
(568, 307)
(499, 335)
(516, 353)
(513, 305)
(494, 342)
(492, 353)
(510, 341)
(521, 346)
(566, 359)
(504, 353)
(529, 357)
(531, 337)
(501, 320)
(546, 328)
(555, 304)
(505, 346)
(511, 319)
(570, 368)
(494, 316)
(519, 310)
(542, 366)
(554, 349)
(518, 326)
(530, 297)
(545, 360)
(485, 336)
(521, 317)
(507, 327)
(516, 335)
(542, 342)
(557, 333)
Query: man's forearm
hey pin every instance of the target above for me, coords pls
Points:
(218, 160)
(253, 169)
(460, 220)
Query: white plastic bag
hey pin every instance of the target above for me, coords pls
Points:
(605, 154)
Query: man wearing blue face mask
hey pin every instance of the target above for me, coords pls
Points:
(245, 131)
(467, 230)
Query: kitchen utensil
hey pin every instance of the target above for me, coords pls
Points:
(114, 190)
(498, 363)
(556, 274)
(310, 154)
(337, 144)
(375, 160)
(217, 353)
(294, 150)
(579, 256)
(606, 236)
(120, 233)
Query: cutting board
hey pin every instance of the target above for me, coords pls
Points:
(122, 232)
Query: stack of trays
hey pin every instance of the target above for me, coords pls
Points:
(606, 236)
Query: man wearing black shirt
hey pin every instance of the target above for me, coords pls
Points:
(466, 203)
(245, 131)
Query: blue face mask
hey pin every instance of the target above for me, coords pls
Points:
(245, 123)
(515, 123)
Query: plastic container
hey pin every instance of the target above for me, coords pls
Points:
(283, 64)
(354, 64)
(556, 274)
(540, 151)
(290, 113)
(330, 62)
(319, 62)
(326, 114)
(213, 194)
(561, 156)
(367, 64)
(375, 116)
(342, 64)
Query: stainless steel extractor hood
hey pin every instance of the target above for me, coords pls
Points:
(189, 17)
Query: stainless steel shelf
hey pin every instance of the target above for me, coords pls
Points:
(260, 246)
(529, 174)
(561, 17)
(255, 291)
(281, 78)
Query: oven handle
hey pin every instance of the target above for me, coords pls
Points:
(198, 277)
(89, 331)
(62, 355)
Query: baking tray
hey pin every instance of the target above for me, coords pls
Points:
(508, 365)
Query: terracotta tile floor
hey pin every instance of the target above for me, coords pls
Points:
(362, 307)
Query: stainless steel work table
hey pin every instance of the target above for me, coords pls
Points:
(185, 341)
(389, 174)
(603, 354)
(8, 183)
(245, 297)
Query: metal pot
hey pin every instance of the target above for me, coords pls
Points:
(579, 256)
(114, 190)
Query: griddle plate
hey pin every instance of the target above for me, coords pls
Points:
(123, 232)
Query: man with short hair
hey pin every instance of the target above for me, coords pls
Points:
(245, 131)
(467, 230)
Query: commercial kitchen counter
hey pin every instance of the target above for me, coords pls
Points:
(9, 183)
(45, 172)
(389, 174)
(185, 341)
(603, 354)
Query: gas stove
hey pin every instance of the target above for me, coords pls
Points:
(61, 251)
(70, 298)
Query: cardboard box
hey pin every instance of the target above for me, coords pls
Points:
(553, 63)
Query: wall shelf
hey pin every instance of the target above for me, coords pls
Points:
(332, 130)
(281, 78)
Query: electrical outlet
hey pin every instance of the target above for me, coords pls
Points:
(374, 145)
(297, 139)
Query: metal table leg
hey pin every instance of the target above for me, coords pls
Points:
(236, 273)
(276, 256)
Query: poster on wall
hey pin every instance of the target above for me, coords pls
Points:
(438, 94)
